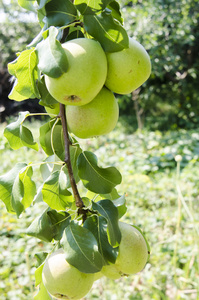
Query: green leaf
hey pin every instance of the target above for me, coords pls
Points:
(81, 249)
(42, 3)
(59, 149)
(111, 35)
(24, 68)
(47, 167)
(23, 191)
(74, 33)
(120, 203)
(28, 5)
(118, 200)
(96, 179)
(55, 192)
(52, 57)
(38, 275)
(45, 137)
(6, 185)
(41, 257)
(60, 13)
(37, 39)
(52, 142)
(115, 9)
(41, 14)
(41, 228)
(52, 139)
(60, 220)
(98, 226)
(58, 141)
(18, 135)
(75, 151)
(42, 294)
(45, 96)
(107, 209)
(87, 7)
(50, 225)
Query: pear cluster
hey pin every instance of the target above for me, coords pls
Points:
(93, 76)
(64, 281)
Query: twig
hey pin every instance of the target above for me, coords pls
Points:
(78, 200)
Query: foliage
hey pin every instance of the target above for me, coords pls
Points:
(153, 204)
(169, 30)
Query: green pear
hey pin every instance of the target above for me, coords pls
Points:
(98, 276)
(53, 109)
(85, 76)
(98, 117)
(133, 250)
(64, 281)
(128, 69)
(111, 271)
(132, 256)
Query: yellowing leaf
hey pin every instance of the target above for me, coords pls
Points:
(24, 68)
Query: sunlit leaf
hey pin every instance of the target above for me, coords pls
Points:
(18, 135)
(120, 203)
(29, 5)
(45, 137)
(40, 257)
(38, 275)
(81, 249)
(42, 3)
(45, 96)
(87, 7)
(23, 191)
(118, 200)
(60, 13)
(52, 142)
(50, 225)
(98, 226)
(111, 35)
(94, 178)
(42, 294)
(107, 209)
(55, 192)
(52, 58)
(115, 9)
(6, 185)
(47, 167)
(24, 68)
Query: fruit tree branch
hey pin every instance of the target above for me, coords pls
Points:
(78, 200)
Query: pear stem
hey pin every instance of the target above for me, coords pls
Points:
(78, 200)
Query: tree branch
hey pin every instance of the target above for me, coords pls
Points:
(78, 200)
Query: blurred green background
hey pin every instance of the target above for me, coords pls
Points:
(157, 122)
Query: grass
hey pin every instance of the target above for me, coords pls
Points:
(162, 198)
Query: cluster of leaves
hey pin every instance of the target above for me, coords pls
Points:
(151, 200)
(61, 220)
